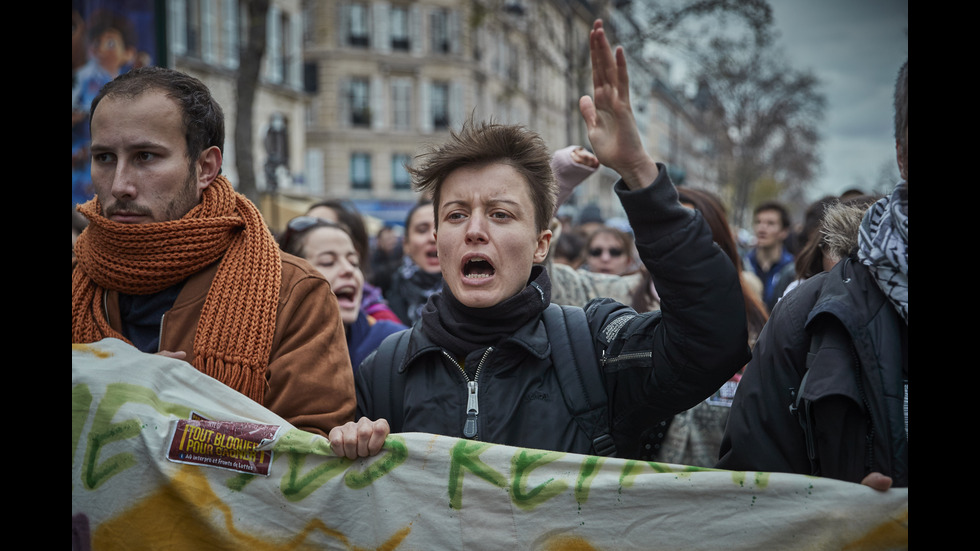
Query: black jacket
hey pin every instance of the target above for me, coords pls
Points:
(839, 330)
(656, 364)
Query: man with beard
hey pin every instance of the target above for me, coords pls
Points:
(176, 262)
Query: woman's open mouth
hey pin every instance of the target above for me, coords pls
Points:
(346, 296)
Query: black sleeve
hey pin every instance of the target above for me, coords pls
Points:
(660, 363)
(762, 433)
(364, 388)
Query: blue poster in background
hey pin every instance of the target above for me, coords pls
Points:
(108, 38)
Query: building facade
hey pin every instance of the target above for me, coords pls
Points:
(391, 77)
(351, 91)
(205, 38)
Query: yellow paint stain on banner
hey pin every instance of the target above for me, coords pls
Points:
(567, 543)
(186, 513)
(888, 535)
(93, 350)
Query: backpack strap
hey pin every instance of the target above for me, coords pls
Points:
(387, 381)
(582, 387)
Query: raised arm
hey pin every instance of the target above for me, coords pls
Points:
(571, 165)
(609, 116)
(661, 363)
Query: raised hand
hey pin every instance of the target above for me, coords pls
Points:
(609, 116)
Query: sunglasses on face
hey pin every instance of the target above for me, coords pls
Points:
(597, 252)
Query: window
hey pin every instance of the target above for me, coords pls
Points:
(230, 32)
(196, 31)
(399, 28)
(440, 105)
(399, 174)
(360, 171)
(193, 17)
(309, 19)
(277, 44)
(439, 31)
(357, 25)
(360, 102)
(311, 80)
(511, 63)
(284, 43)
(197, 40)
(401, 101)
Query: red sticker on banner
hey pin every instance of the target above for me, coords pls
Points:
(223, 444)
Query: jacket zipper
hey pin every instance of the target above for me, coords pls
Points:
(160, 336)
(472, 393)
(622, 357)
(869, 457)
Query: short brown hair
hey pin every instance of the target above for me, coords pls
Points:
(776, 207)
(487, 143)
(204, 121)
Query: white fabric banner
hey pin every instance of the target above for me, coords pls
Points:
(422, 492)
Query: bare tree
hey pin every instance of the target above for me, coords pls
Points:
(761, 113)
(247, 82)
(770, 113)
(666, 31)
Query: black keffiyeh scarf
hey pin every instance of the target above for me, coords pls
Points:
(883, 246)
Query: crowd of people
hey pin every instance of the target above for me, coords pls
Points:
(493, 319)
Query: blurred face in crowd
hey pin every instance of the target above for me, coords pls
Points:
(769, 230)
(331, 251)
(140, 167)
(487, 237)
(111, 52)
(420, 239)
(387, 239)
(608, 254)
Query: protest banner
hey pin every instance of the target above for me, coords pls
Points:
(166, 457)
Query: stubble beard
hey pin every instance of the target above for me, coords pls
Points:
(185, 200)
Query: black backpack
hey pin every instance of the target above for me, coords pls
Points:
(574, 360)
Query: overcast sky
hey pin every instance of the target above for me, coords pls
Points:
(856, 49)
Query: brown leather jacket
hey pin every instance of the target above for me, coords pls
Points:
(311, 383)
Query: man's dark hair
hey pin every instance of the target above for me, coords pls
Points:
(478, 145)
(902, 109)
(204, 121)
(776, 206)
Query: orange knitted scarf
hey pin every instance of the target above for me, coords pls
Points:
(234, 337)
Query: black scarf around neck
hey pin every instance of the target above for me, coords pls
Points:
(461, 329)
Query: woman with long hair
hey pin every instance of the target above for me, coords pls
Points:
(329, 247)
(347, 215)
